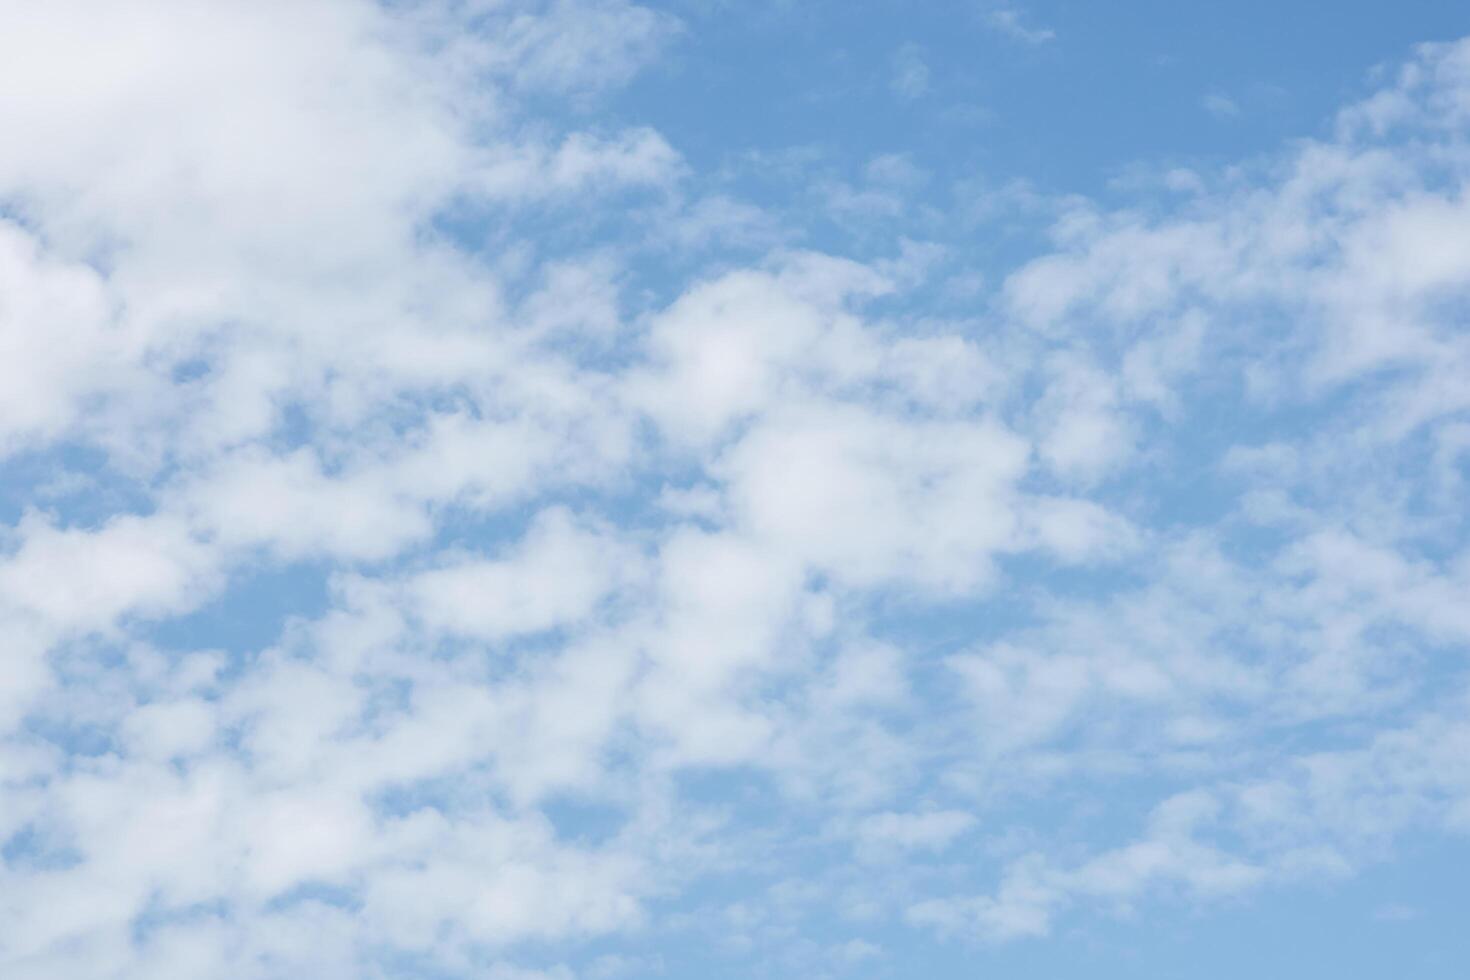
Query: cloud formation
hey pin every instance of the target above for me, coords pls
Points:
(580, 593)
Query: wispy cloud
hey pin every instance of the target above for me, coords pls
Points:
(1012, 23)
(1220, 106)
(910, 74)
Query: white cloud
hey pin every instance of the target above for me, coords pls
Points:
(869, 499)
(1220, 105)
(581, 163)
(74, 579)
(574, 45)
(588, 541)
(1031, 891)
(1012, 23)
(910, 73)
(56, 337)
(558, 575)
(932, 830)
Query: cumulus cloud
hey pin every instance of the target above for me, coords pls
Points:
(583, 585)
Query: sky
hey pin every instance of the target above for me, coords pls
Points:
(587, 489)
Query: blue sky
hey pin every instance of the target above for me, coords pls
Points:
(580, 489)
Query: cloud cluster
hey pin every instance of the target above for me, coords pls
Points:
(579, 597)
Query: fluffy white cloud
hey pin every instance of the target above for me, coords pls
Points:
(587, 544)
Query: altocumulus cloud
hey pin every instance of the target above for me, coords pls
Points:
(398, 578)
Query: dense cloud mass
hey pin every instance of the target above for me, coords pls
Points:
(450, 533)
